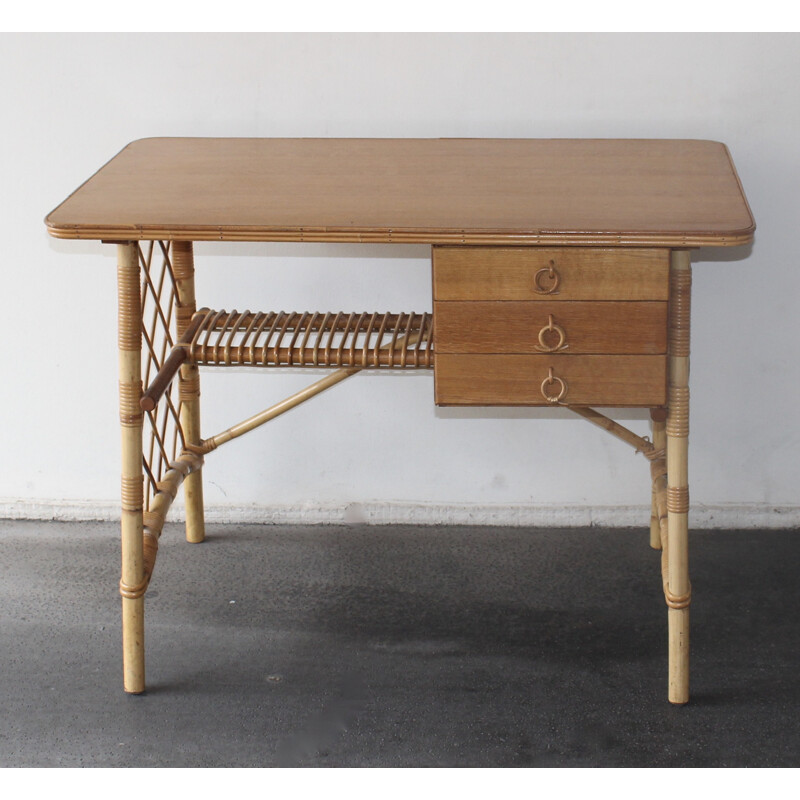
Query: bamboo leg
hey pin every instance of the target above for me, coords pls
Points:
(677, 432)
(658, 416)
(132, 583)
(189, 388)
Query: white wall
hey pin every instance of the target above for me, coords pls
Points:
(376, 447)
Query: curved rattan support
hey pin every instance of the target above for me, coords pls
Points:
(188, 462)
(172, 363)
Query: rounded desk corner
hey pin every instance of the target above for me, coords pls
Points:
(749, 233)
(145, 141)
(744, 235)
(56, 231)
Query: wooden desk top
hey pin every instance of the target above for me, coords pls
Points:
(661, 193)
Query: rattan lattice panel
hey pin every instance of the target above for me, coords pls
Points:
(165, 440)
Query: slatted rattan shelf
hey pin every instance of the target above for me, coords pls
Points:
(311, 339)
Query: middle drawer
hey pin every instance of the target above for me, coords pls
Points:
(569, 327)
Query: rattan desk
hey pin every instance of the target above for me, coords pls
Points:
(561, 275)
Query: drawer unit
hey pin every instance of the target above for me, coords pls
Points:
(523, 380)
(572, 327)
(541, 326)
(549, 273)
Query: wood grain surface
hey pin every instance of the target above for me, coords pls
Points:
(666, 193)
(495, 380)
(515, 327)
(510, 273)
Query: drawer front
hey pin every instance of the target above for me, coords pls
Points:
(567, 327)
(529, 380)
(552, 274)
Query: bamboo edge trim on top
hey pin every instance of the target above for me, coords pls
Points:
(676, 240)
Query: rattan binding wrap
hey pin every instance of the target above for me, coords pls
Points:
(658, 472)
(166, 492)
(149, 313)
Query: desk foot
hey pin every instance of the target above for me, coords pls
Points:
(133, 645)
(678, 690)
(193, 498)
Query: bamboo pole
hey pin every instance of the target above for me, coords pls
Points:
(276, 410)
(166, 491)
(658, 472)
(658, 417)
(189, 387)
(678, 592)
(290, 402)
(132, 582)
(613, 427)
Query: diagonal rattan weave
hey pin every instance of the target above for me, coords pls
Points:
(158, 302)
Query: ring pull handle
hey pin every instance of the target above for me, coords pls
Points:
(550, 381)
(546, 280)
(561, 344)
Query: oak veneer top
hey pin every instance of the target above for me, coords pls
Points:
(458, 191)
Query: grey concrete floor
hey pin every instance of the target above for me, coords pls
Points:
(397, 646)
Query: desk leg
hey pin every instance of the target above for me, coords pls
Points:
(189, 387)
(678, 592)
(132, 583)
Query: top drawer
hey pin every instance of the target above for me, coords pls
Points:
(550, 273)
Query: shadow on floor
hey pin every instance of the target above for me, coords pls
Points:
(397, 646)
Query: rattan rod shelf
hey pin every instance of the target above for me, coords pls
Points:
(312, 339)
(298, 339)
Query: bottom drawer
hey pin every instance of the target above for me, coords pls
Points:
(527, 380)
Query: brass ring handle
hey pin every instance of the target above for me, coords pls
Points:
(551, 326)
(549, 381)
(552, 274)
